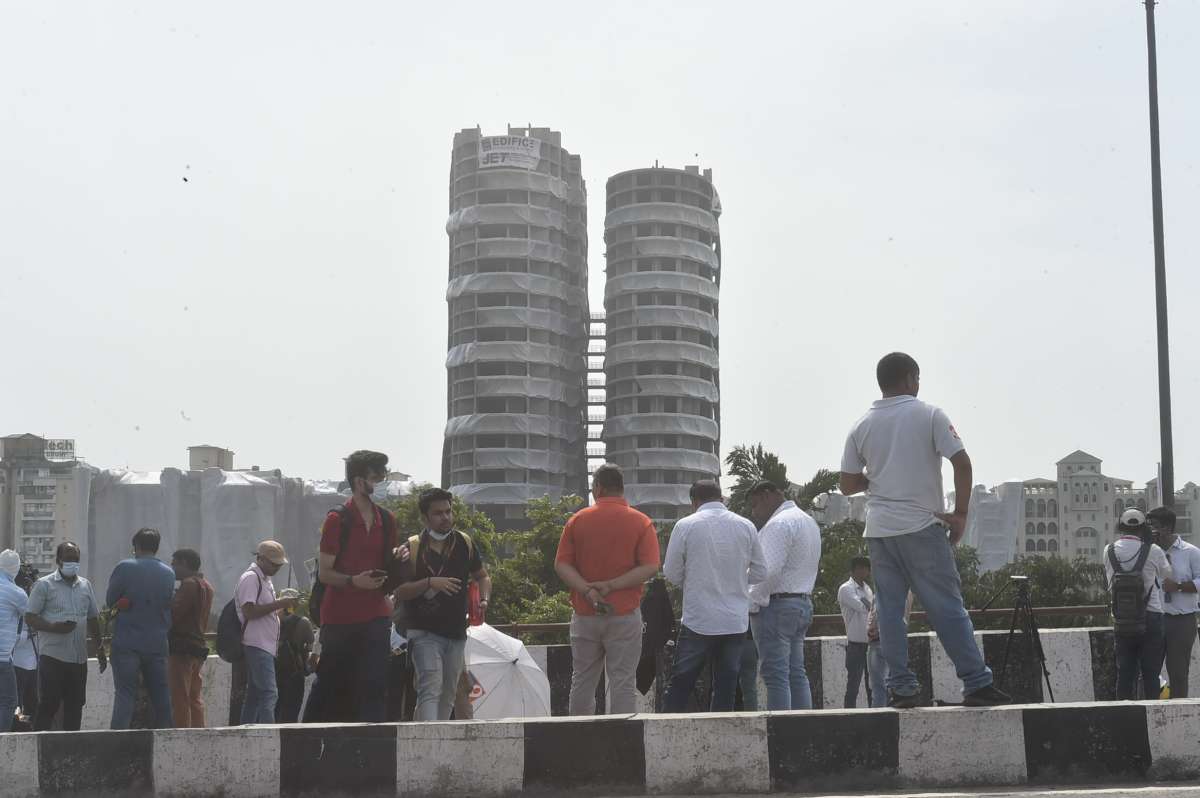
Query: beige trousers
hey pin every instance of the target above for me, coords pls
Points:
(609, 644)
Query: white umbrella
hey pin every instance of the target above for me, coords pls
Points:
(505, 681)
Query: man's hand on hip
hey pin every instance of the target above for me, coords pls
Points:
(957, 523)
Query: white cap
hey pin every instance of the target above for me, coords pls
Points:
(1133, 519)
(10, 562)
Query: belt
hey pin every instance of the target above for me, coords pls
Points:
(789, 595)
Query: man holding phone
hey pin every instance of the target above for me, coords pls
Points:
(61, 606)
(357, 543)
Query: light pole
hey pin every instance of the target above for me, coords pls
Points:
(1166, 485)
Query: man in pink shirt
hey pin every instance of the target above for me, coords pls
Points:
(258, 610)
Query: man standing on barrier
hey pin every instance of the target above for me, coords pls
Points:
(1180, 603)
(894, 453)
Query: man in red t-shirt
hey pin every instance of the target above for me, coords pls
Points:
(355, 614)
(607, 551)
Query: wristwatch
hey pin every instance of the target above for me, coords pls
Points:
(349, 580)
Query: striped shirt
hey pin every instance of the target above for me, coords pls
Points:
(55, 599)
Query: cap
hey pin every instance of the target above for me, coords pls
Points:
(289, 593)
(10, 562)
(1133, 519)
(272, 551)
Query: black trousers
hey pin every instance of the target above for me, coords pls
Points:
(27, 691)
(1180, 637)
(60, 684)
(351, 681)
(291, 696)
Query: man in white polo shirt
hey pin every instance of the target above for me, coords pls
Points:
(894, 453)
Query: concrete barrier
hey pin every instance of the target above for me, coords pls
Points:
(1081, 662)
(742, 753)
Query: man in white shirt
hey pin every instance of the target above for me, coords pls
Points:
(791, 545)
(713, 555)
(894, 453)
(1142, 653)
(856, 600)
(1180, 603)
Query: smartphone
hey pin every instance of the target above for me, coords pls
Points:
(378, 574)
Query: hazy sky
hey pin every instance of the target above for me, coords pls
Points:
(965, 181)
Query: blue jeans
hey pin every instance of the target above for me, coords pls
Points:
(779, 630)
(877, 674)
(438, 662)
(924, 563)
(692, 651)
(8, 695)
(1141, 655)
(261, 693)
(126, 665)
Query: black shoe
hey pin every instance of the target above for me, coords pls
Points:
(986, 697)
(897, 701)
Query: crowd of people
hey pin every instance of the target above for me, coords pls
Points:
(746, 588)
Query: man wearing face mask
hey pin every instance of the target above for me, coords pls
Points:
(59, 606)
(258, 610)
(13, 604)
(358, 545)
(444, 561)
(144, 587)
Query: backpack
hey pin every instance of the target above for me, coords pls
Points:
(1128, 599)
(317, 595)
(230, 630)
(401, 616)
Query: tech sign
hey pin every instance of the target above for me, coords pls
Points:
(515, 152)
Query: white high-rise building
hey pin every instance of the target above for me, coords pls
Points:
(518, 323)
(662, 365)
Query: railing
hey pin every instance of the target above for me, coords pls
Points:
(832, 625)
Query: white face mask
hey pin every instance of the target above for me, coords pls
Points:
(439, 536)
(69, 569)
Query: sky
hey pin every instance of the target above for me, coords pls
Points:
(223, 223)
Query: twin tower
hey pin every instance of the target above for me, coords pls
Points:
(540, 389)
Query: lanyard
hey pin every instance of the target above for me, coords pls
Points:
(445, 557)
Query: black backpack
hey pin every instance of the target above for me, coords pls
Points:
(1128, 599)
(230, 630)
(317, 595)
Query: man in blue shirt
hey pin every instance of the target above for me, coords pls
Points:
(141, 589)
(13, 603)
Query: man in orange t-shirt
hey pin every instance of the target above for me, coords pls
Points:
(607, 551)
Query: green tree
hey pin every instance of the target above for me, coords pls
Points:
(749, 464)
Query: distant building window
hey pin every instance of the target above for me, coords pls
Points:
(1029, 529)
(1030, 545)
(1041, 529)
(1052, 546)
(1041, 508)
(1041, 545)
(1029, 507)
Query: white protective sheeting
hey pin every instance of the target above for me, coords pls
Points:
(515, 423)
(514, 351)
(677, 495)
(508, 681)
(528, 248)
(221, 514)
(661, 385)
(662, 212)
(521, 282)
(660, 281)
(680, 351)
(675, 248)
(689, 459)
(506, 493)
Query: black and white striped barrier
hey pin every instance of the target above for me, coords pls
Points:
(741, 753)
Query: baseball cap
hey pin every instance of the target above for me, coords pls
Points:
(272, 551)
(289, 593)
(10, 562)
(1133, 519)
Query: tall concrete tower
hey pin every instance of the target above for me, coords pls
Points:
(518, 322)
(663, 424)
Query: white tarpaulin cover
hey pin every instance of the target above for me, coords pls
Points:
(220, 514)
(507, 681)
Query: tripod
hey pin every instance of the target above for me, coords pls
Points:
(1022, 617)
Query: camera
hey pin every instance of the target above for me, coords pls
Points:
(26, 576)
